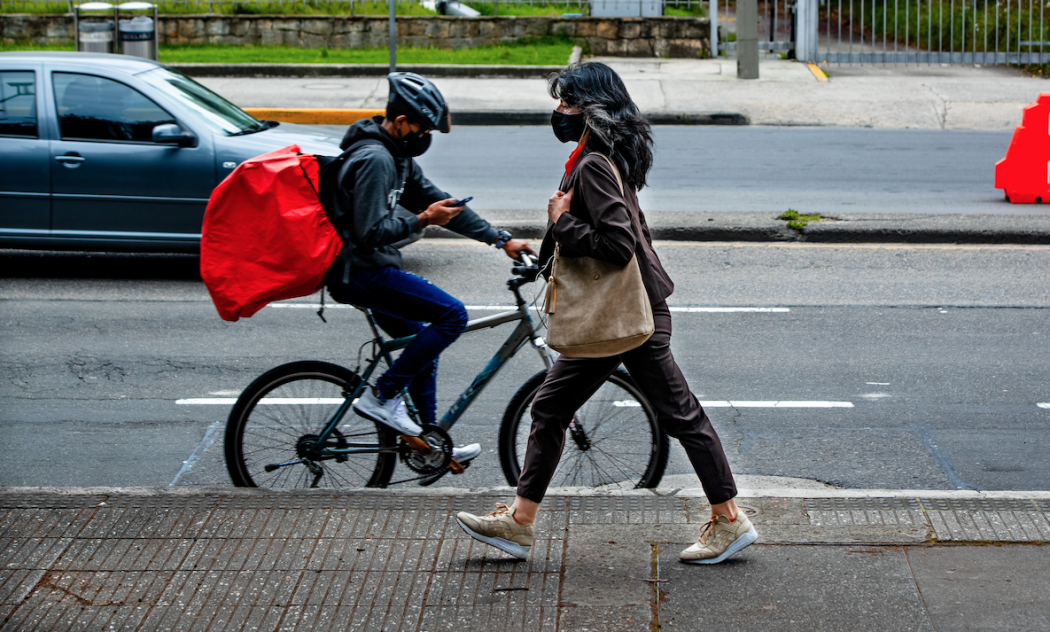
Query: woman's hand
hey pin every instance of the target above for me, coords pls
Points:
(558, 204)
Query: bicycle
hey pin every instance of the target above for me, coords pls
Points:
(291, 428)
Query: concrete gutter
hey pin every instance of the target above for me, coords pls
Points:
(324, 116)
(363, 70)
(347, 116)
(845, 228)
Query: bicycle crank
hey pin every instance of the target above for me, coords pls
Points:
(429, 453)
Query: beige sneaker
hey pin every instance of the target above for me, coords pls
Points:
(720, 538)
(499, 529)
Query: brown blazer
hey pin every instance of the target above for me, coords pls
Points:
(599, 225)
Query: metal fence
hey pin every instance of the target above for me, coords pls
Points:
(776, 27)
(932, 31)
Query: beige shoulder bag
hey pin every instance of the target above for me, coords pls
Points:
(602, 308)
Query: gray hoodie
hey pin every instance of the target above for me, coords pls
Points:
(369, 192)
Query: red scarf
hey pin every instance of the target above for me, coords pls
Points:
(573, 157)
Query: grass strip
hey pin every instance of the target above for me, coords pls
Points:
(312, 7)
(541, 52)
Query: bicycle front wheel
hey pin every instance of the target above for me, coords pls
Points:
(272, 436)
(613, 440)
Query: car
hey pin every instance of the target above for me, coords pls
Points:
(113, 152)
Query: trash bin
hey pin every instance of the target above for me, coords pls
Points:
(96, 36)
(94, 33)
(138, 33)
(137, 37)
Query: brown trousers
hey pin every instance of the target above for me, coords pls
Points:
(571, 381)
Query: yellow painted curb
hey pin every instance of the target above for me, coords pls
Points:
(818, 73)
(313, 116)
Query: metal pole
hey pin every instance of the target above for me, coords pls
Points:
(747, 39)
(393, 37)
(713, 6)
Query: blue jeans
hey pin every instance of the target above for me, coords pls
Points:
(402, 302)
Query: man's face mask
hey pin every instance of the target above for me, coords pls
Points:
(415, 143)
(568, 127)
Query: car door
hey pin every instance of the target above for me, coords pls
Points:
(110, 181)
(25, 177)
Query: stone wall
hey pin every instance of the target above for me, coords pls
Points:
(628, 37)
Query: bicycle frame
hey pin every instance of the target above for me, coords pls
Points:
(526, 331)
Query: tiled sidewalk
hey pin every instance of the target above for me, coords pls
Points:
(375, 560)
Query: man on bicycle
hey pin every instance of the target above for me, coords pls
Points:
(378, 175)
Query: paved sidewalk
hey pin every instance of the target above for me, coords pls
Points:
(788, 93)
(216, 559)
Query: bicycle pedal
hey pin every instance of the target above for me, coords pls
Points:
(457, 467)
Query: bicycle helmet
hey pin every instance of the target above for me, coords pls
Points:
(418, 99)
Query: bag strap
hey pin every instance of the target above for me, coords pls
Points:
(616, 171)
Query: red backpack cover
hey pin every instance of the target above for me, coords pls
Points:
(266, 236)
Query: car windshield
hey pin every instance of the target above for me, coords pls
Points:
(215, 110)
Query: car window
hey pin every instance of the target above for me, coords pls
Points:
(96, 108)
(216, 111)
(17, 103)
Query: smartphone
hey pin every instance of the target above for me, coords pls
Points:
(462, 202)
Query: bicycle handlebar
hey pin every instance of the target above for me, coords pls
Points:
(528, 268)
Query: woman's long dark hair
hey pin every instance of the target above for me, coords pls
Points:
(616, 125)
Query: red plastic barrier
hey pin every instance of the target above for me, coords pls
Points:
(1024, 174)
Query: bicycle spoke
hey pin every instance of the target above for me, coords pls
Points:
(609, 444)
(284, 423)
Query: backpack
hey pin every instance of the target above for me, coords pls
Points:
(267, 236)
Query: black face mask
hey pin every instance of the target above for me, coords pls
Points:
(415, 144)
(568, 127)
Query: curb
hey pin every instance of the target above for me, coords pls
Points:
(563, 492)
(754, 226)
(346, 116)
(363, 70)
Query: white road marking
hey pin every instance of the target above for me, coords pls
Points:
(1043, 404)
(209, 439)
(227, 401)
(877, 383)
(502, 308)
(774, 404)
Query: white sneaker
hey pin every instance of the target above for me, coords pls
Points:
(465, 453)
(390, 412)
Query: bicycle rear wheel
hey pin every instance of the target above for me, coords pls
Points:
(272, 432)
(614, 440)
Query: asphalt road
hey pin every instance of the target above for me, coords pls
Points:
(941, 351)
(830, 171)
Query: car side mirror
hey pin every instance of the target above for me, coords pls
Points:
(172, 134)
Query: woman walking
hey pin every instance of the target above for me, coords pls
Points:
(590, 217)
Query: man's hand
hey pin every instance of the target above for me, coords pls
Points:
(558, 204)
(439, 213)
(516, 246)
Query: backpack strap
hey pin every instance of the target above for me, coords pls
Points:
(328, 177)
